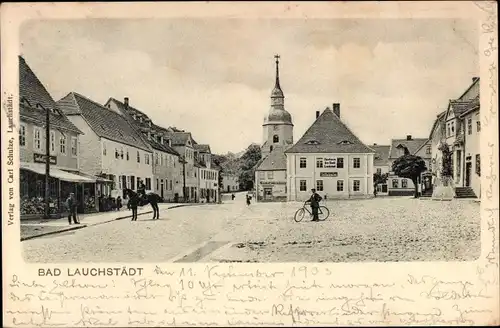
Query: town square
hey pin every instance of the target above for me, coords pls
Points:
(135, 150)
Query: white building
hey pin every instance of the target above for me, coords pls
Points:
(230, 182)
(459, 126)
(110, 147)
(208, 174)
(381, 165)
(330, 159)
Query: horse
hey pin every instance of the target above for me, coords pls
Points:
(150, 198)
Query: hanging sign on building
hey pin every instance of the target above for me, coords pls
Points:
(330, 162)
(328, 174)
(272, 182)
(40, 158)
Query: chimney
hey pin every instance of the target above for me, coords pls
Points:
(474, 79)
(374, 144)
(408, 137)
(336, 109)
(317, 114)
(125, 101)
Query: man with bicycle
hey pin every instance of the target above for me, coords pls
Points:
(314, 202)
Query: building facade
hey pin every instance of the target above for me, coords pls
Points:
(64, 146)
(270, 172)
(422, 147)
(208, 174)
(183, 144)
(110, 146)
(459, 127)
(330, 159)
(165, 160)
(230, 182)
(381, 166)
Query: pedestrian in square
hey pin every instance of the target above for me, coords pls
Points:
(71, 203)
(314, 202)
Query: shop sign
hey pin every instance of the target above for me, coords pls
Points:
(328, 174)
(273, 182)
(330, 162)
(40, 158)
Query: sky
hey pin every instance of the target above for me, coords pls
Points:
(213, 77)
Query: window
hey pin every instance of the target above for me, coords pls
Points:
(340, 185)
(319, 185)
(157, 185)
(22, 135)
(170, 184)
(379, 170)
(148, 183)
(157, 159)
(303, 163)
(340, 163)
(146, 159)
(404, 183)
(478, 164)
(395, 183)
(319, 163)
(62, 144)
(127, 155)
(478, 125)
(74, 147)
(52, 142)
(37, 139)
(270, 174)
(469, 126)
(121, 153)
(261, 175)
(138, 180)
(356, 162)
(276, 139)
(303, 185)
(428, 150)
(452, 128)
(104, 148)
(356, 185)
(120, 182)
(132, 182)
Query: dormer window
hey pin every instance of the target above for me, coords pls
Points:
(312, 142)
(276, 139)
(345, 142)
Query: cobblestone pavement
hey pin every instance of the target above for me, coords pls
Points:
(383, 229)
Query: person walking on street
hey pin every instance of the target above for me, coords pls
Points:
(71, 202)
(314, 201)
(248, 200)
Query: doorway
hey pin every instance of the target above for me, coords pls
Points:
(468, 169)
(268, 193)
(161, 190)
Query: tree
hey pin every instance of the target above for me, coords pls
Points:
(379, 178)
(248, 161)
(410, 167)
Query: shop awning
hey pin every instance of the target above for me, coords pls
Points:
(96, 178)
(56, 173)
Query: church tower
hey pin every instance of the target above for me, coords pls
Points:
(278, 126)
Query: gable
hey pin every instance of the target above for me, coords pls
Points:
(328, 134)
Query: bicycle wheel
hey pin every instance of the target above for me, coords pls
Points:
(299, 215)
(323, 213)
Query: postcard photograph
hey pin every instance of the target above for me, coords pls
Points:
(339, 140)
(280, 164)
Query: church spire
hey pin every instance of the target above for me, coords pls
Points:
(277, 84)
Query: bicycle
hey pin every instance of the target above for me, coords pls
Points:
(323, 213)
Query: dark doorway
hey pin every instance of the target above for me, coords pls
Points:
(468, 168)
(384, 188)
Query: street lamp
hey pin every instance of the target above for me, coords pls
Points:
(47, 163)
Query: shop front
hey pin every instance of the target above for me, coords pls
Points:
(61, 184)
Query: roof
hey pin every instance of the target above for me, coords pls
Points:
(328, 134)
(178, 138)
(103, 121)
(472, 105)
(34, 100)
(202, 148)
(413, 145)
(381, 154)
(138, 124)
(439, 118)
(475, 81)
(276, 160)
